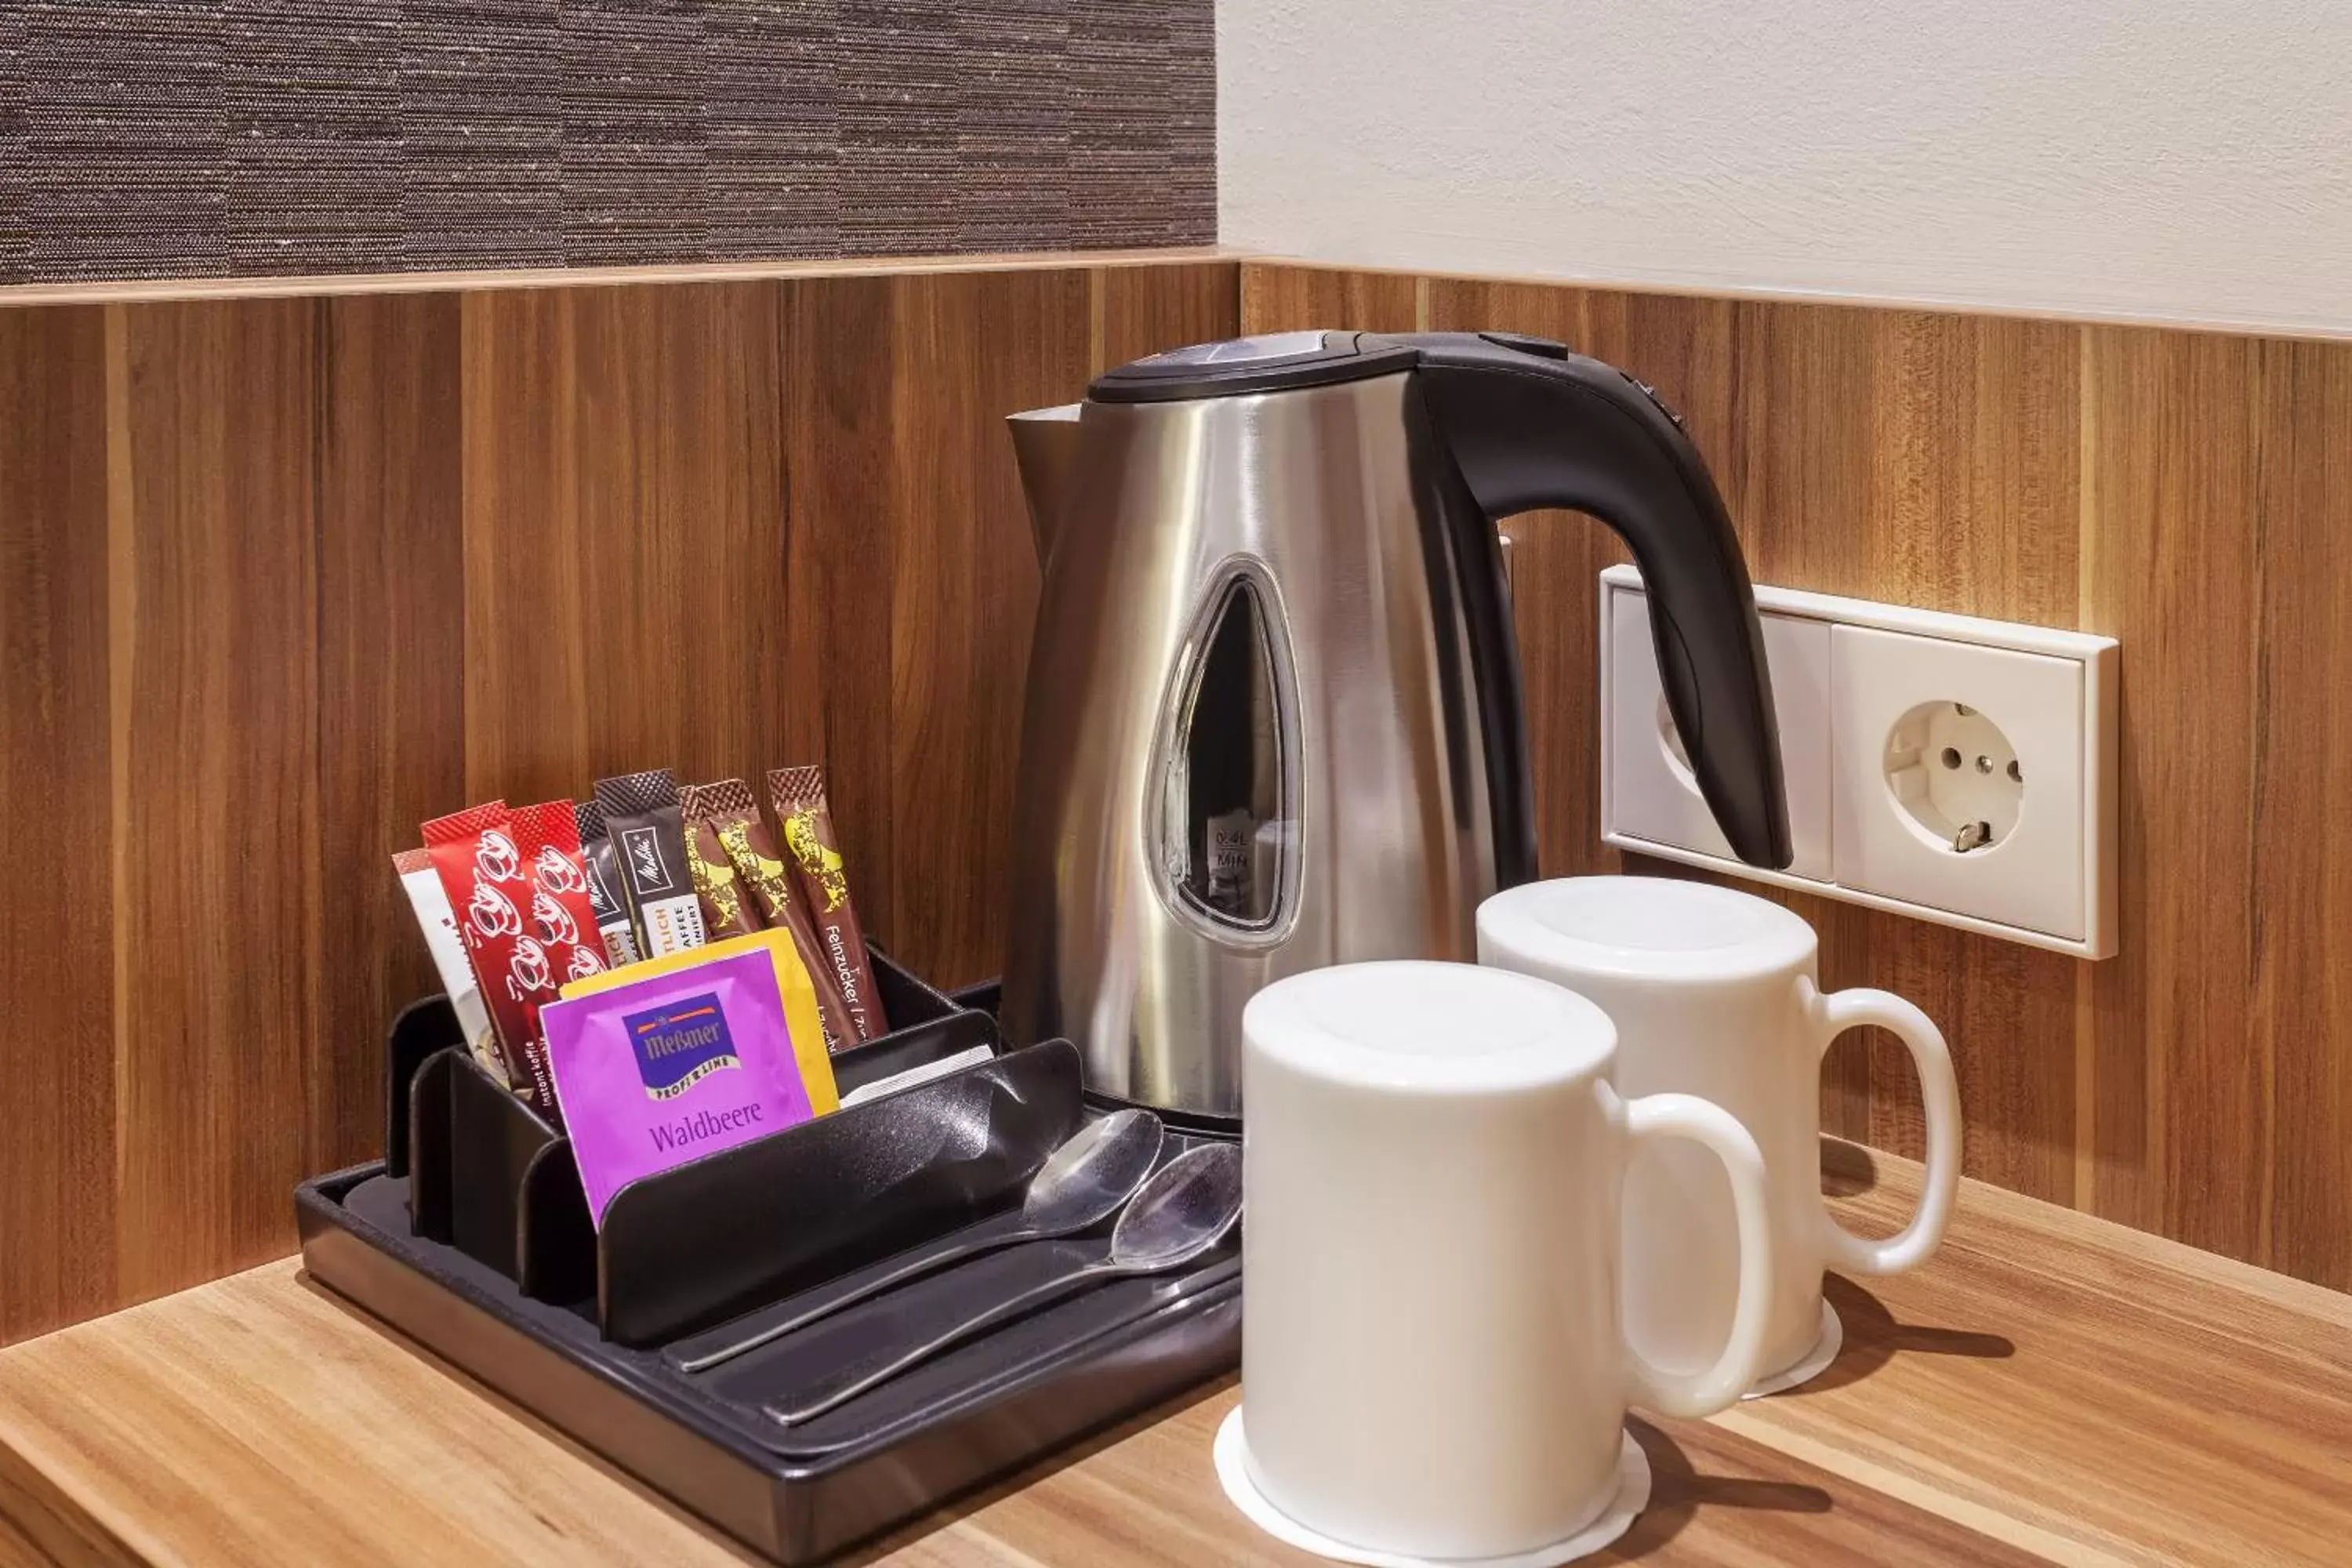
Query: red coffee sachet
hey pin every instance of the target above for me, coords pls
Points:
(481, 869)
(561, 913)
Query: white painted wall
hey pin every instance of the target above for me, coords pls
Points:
(2175, 159)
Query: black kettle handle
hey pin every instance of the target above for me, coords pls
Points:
(1531, 425)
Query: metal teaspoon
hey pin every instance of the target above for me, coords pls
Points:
(1081, 1184)
(1182, 1213)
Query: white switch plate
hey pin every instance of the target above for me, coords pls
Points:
(1897, 727)
(1649, 793)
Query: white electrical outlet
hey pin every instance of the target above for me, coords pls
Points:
(1958, 770)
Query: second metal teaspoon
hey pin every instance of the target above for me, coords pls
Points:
(1182, 1214)
(1081, 1184)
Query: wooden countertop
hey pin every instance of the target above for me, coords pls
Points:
(2051, 1388)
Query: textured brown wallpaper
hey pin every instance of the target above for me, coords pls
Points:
(189, 138)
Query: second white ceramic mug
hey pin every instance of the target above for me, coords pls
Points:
(1714, 992)
(1432, 1361)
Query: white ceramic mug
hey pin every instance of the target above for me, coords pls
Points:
(1432, 1361)
(1713, 993)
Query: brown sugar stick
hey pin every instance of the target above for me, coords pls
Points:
(733, 813)
(727, 909)
(822, 881)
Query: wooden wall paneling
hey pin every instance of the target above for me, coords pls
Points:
(1280, 297)
(392, 691)
(1975, 464)
(2171, 530)
(530, 623)
(56, 935)
(2216, 517)
(624, 505)
(1795, 487)
(841, 553)
(680, 515)
(1816, 489)
(2302, 855)
(967, 349)
(280, 578)
(1142, 310)
(215, 720)
(283, 577)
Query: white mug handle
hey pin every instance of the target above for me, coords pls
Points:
(1719, 1387)
(1940, 1182)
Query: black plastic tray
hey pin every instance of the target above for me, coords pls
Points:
(474, 1239)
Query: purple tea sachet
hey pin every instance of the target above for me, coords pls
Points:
(660, 1071)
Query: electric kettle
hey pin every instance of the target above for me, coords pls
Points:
(1273, 717)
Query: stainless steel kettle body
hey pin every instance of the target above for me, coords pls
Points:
(1273, 712)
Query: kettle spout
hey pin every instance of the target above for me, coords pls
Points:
(1046, 444)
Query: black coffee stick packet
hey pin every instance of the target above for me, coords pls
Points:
(648, 838)
(604, 895)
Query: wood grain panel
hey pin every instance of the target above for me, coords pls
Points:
(391, 658)
(1975, 456)
(2302, 856)
(680, 518)
(624, 523)
(41, 1528)
(280, 577)
(2215, 522)
(1150, 310)
(1964, 499)
(2162, 1406)
(2171, 529)
(1279, 296)
(216, 801)
(967, 351)
(2008, 1013)
(1927, 460)
(840, 560)
(57, 936)
(528, 619)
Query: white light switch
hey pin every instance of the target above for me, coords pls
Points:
(1953, 769)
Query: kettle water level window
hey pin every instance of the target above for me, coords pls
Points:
(1226, 826)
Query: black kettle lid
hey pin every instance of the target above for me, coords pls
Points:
(1269, 361)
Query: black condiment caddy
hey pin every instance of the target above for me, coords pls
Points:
(473, 1236)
